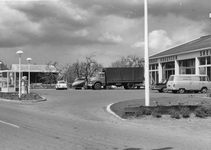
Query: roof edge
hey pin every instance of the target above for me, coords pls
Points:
(177, 46)
(181, 53)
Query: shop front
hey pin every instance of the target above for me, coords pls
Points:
(193, 57)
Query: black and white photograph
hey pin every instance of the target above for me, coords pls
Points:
(105, 75)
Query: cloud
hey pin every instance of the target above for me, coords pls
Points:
(137, 45)
(158, 40)
(107, 37)
(109, 28)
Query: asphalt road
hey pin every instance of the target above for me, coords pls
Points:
(78, 120)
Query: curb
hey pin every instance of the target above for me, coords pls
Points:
(108, 108)
(19, 101)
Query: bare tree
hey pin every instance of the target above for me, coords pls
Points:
(51, 73)
(85, 69)
(91, 67)
(129, 61)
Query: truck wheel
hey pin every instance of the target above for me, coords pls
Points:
(125, 87)
(97, 86)
(181, 91)
(131, 86)
(204, 90)
(174, 91)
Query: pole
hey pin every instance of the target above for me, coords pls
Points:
(29, 77)
(19, 53)
(29, 60)
(146, 54)
(19, 90)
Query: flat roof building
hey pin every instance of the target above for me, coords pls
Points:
(10, 78)
(193, 57)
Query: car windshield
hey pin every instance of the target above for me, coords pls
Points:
(163, 81)
(171, 78)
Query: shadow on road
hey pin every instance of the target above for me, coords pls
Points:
(133, 149)
(165, 148)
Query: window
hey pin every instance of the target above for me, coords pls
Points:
(153, 67)
(202, 61)
(171, 78)
(187, 63)
(202, 70)
(168, 69)
(203, 78)
(187, 66)
(209, 60)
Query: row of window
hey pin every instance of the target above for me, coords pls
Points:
(183, 63)
(185, 67)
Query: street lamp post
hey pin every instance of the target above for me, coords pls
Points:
(19, 53)
(1, 73)
(29, 60)
(0, 67)
(0, 64)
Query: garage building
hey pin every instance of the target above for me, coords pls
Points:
(193, 57)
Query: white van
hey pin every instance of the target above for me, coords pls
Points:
(182, 83)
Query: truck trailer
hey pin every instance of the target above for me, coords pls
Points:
(129, 77)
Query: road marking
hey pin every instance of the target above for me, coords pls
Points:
(10, 124)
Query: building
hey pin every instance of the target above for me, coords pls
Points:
(35, 71)
(193, 57)
(10, 78)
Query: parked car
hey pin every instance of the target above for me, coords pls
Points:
(78, 83)
(161, 86)
(61, 85)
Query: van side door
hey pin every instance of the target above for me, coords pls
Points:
(204, 82)
(194, 83)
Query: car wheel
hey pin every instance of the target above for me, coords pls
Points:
(97, 86)
(181, 91)
(204, 90)
(165, 90)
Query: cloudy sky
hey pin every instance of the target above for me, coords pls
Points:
(65, 31)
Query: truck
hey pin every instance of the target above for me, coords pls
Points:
(128, 77)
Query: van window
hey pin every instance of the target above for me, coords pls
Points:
(171, 78)
(203, 78)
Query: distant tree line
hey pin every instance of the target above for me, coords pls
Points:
(86, 69)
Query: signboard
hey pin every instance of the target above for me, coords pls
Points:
(168, 58)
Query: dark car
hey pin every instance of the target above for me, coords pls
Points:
(161, 86)
(79, 83)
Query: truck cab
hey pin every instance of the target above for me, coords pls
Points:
(97, 81)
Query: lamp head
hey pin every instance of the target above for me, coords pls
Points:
(19, 52)
(29, 59)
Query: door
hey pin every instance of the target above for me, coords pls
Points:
(194, 83)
